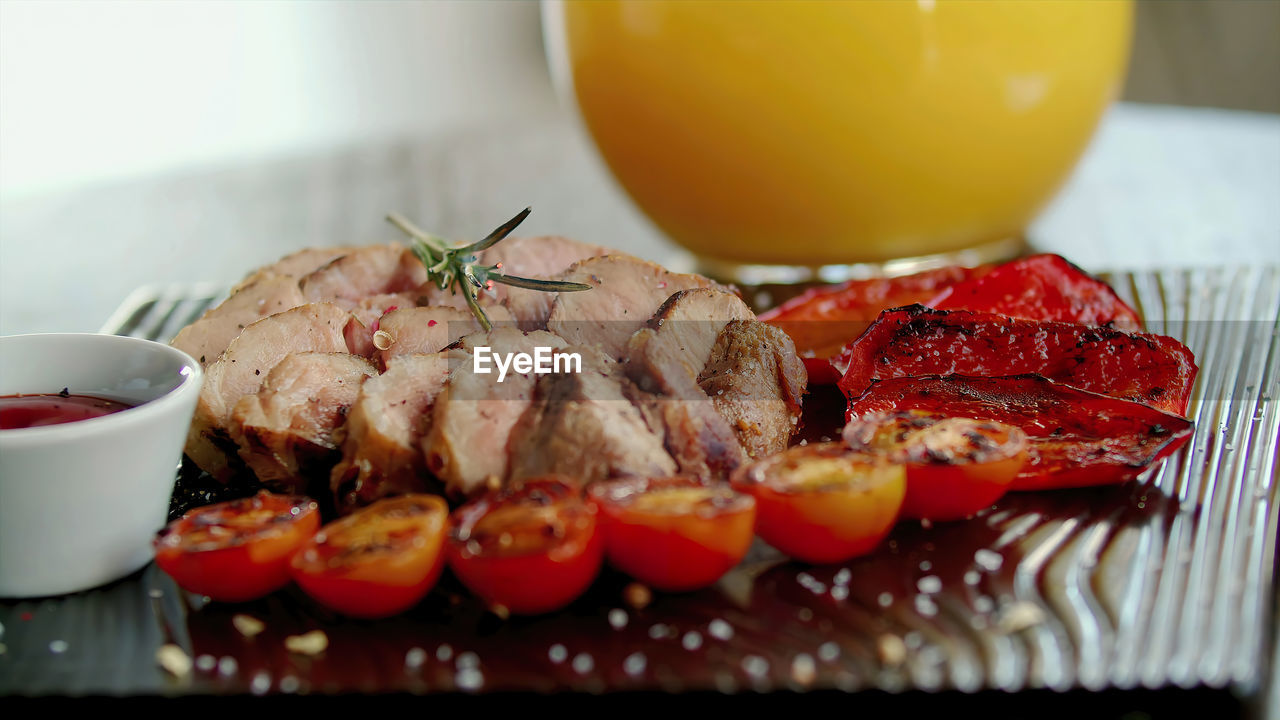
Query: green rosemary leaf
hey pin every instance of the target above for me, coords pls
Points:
(501, 232)
(457, 269)
(476, 310)
(534, 284)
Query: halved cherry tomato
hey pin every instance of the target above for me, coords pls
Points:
(528, 549)
(380, 560)
(1076, 438)
(823, 503)
(955, 466)
(237, 550)
(674, 533)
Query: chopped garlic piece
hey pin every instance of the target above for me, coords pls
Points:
(1020, 616)
(891, 650)
(247, 625)
(173, 660)
(311, 643)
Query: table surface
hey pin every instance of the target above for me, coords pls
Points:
(1159, 187)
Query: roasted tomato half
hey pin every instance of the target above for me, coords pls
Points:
(380, 560)
(955, 466)
(823, 503)
(527, 549)
(238, 550)
(674, 533)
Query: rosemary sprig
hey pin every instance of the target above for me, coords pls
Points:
(458, 269)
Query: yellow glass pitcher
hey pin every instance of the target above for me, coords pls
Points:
(824, 133)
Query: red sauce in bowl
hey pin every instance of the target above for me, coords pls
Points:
(24, 411)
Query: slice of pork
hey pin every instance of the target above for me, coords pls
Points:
(365, 272)
(543, 258)
(665, 358)
(286, 430)
(429, 329)
(756, 381)
(626, 291)
(206, 338)
(466, 447)
(296, 264)
(365, 318)
(583, 425)
(241, 369)
(694, 433)
(380, 440)
(688, 323)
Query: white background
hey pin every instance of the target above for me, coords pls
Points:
(107, 90)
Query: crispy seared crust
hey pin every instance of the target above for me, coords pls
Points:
(755, 380)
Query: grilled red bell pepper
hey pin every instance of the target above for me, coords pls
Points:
(1077, 438)
(1040, 287)
(823, 319)
(1152, 369)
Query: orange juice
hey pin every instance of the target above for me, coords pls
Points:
(812, 133)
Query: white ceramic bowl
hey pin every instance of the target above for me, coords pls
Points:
(80, 502)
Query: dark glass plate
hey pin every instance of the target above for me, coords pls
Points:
(1162, 583)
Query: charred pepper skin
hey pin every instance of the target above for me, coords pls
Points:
(1038, 287)
(1041, 287)
(1154, 370)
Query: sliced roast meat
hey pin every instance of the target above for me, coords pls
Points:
(466, 447)
(756, 381)
(582, 425)
(380, 451)
(541, 258)
(625, 292)
(206, 338)
(286, 430)
(241, 369)
(429, 329)
(490, 299)
(365, 316)
(364, 272)
(694, 433)
(296, 264)
(687, 325)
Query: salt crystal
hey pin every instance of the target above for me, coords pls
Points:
(617, 618)
(719, 629)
